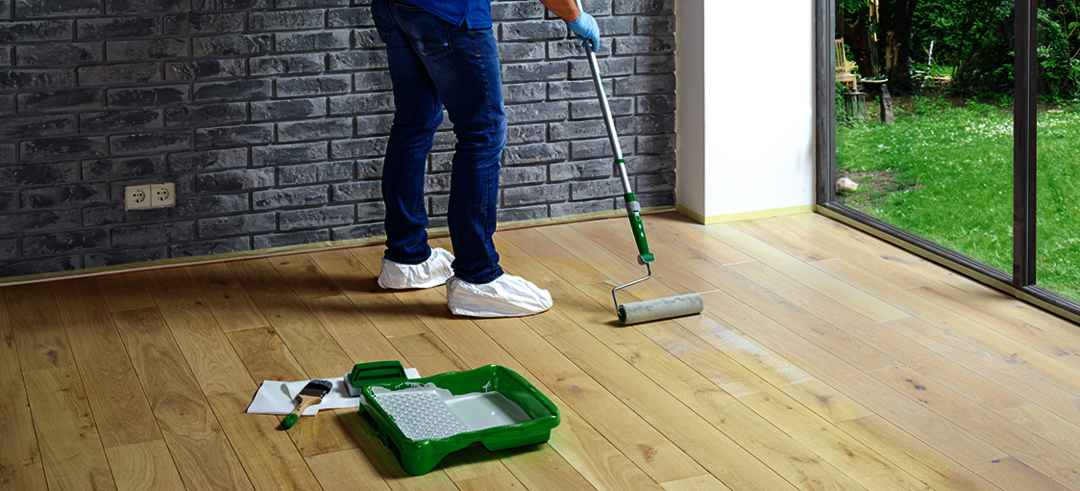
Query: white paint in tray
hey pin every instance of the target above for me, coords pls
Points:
(428, 412)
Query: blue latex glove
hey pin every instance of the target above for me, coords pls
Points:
(585, 27)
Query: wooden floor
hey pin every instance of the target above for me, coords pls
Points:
(825, 359)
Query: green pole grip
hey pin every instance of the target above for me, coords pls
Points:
(634, 212)
(290, 420)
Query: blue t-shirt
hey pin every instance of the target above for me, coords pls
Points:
(473, 14)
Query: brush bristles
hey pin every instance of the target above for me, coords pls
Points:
(317, 388)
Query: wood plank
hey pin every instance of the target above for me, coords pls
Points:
(384, 460)
(121, 412)
(953, 440)
(699, 483)
(774, 231)
(225, 297)
(146, 465)
(346, 469)
(1046, 425)
(349, 272)
(560, 261)
(39, 331)
(1010, 474)
(126, 291)
(914, 456)
(205, 347)
(20, 461)
(1020, 444)
(195, 438)
(690, 234)
(306, 338)
(490, 482)
(267, 454)
(71, 451)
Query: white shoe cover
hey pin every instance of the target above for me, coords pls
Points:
(430, 273)
(507, 296)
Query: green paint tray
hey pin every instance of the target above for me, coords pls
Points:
(428, 418)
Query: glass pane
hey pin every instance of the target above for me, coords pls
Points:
(940, 165)
(1058, 210)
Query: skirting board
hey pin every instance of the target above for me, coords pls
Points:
(433, 233)
(750, 215)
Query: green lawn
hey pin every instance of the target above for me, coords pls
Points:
(946, 174)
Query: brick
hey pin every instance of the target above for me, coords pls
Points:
(230, 4)
(577, 130)
(374, 125)
(6, 56)
(540, 111)
(366, 38)
(228, 136)
(310, 3)
(650, 183)
(611, 67)
(644, 45)
(204, 23)
(308, 86)
(437, 183)
(54, 54)
(515, 176)
(36, 126)
(355, 191)
(61, 100)
(235, 180)
(57, 149)
(119, 120)
(5, 9)
(312, 40)
(119, 73)
(591, 109)
(38, 221)
(126, 7)
(9, 249)
(118, 27)
(581, 207)
(615, 26)
(521, 93)
(531, 72)
(45, 78)
(271, 241)
(64, 195)
(287, 110)
(357, 60)
(594, 7)
(36, 31)
(288, 64)
(205, 205)
(289, 154)
(372, 81)
(374, 211)
(437, 205)
(150, 142)
(525, 133)
(312, 173)
(523, 213)
(122, 167)
(578, 89)
(68, 8)
(533, 30)
(650, 7)
(206, 114)
(649, 65)
(290, 197)
(587, 169)
(590, 149)
(114, 213)
(203, 160)
(100, 259)
(239, 90)
(656, 144)
(232, 45)
(37, 266)
(210, 247)
(376, 102)
(148, 49)
(7, 104)
(329, 216)
(7, 154)
(656, 104)
(501, 11)
(9, 200)
(584, 190)
(315, 130)
(285, 20)
(643, 164)
(369, 169)
(147, 96)
(655, 25)
(349, 17)
(443, 141)
(151, 234)
(357, 231)
(530, 195)
(571, 48)
(204, 68)
(647, 124)
(657, 200)
(538, 153)
(238, 224)
(358, 148)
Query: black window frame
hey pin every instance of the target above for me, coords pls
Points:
(1021, 283)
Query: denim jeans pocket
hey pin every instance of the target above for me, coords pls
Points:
(429, 34)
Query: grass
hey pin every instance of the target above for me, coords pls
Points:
(944, 172)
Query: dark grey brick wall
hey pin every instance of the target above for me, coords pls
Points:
(271, 117)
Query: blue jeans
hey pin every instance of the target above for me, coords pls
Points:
(435, 64)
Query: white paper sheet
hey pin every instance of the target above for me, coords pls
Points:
(275, 397)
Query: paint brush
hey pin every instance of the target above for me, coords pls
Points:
(312, 394)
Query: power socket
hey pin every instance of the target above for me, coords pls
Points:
(162, 195)
(137, 197)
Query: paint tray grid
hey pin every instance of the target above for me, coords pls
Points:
(421, 415)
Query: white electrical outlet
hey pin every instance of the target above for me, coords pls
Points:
(163, 194)
(137, 197)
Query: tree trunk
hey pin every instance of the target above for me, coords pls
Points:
(857, 36)
(896, 18)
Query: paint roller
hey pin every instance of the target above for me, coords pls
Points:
(648, 310)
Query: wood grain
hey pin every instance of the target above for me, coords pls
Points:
(225, 297)
(39, 330)
(20, 461)
(144, 466)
